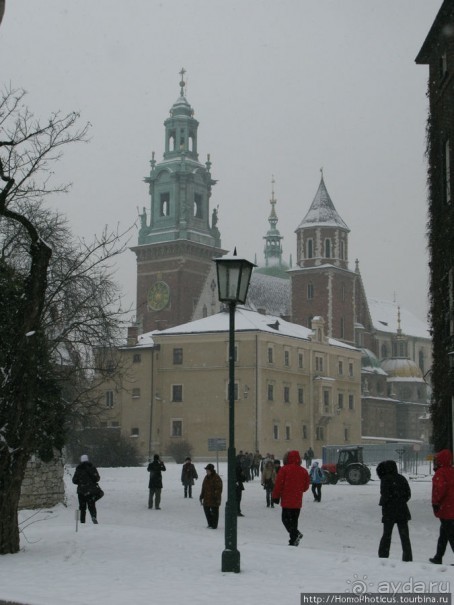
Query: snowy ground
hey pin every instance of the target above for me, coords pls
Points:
(140, 556)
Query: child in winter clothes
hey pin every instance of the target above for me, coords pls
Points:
(443, 502)
(394, 495)
(292, 481)
(316, 477)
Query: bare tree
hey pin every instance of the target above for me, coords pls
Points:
(57, 300)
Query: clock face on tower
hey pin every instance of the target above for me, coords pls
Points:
(158, 296)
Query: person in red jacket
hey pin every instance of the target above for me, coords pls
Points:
(291, 482)
(443, 502)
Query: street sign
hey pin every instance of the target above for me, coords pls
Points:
(217, 444)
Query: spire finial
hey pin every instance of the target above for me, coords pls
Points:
(399, 328)
(182, 82)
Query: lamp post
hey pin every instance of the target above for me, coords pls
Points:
(234, 275)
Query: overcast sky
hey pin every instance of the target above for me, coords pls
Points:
(279, 87)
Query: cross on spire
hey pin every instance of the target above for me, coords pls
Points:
(182, 82)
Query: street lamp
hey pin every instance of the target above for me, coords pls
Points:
(234, 275)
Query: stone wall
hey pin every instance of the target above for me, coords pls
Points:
(43, 484)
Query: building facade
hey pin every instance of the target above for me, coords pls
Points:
(294, 387)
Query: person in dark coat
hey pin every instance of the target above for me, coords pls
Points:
(155, 469)
(292, 481)
(239, 487)
(210, 496)
(443, 502)
(188, 475)
(394, 495)
(86, 478)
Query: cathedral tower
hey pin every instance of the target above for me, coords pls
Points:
(176, 240)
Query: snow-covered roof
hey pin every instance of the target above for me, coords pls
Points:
(270, 293)
(322, 211)
(384, 316)
(246, 320)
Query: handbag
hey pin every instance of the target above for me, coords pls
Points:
(96, 493)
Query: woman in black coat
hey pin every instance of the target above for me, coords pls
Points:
(86, 478)
(394, 495)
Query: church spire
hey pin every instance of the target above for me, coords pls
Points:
(273, 246)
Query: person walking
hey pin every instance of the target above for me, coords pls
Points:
(292, 481)
(443, 502)
(394, 495)
(268, 479)
(86, 478)
(239, 487)
(210, 496)
(155, 468)
(188, 476)
(316, 477)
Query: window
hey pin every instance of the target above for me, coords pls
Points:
(235, 391)
(326, 401)
(287, 433)
(304, 431)
(447, 171)
(340, 401)
(341, 368)
(342, 327)
(384, 351)
(318, 363)
(342, 250)
(300, 360)
(110, 367)
(136, 358)
(135, 393)
(287, 394)
(327, 248)
(443, 65)
(178, 356)
(310, 291)
(270, 354)
(421, 360)
(270, 392)
(309, 248)
(114, 424)
(176, 428)
(109, 399)
(350, 369)
(198, 210)
(275, 431)
(164, 204)
(177, 392)
(287, 358)
(351, 402)
(135, 432)
(343, 292)
(346, 434)
(300, 395)
(319, 433)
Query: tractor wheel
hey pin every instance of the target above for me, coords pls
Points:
(366, 474)
(355, 474)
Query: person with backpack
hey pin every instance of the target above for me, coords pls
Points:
(394, 494)
(86, 478)
(316, 477)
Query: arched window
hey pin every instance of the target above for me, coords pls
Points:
(342, 249)
(310, 291)
(384, 351)
(327, 248)
(421, 360)
(310, 248)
